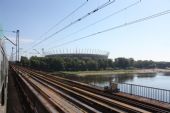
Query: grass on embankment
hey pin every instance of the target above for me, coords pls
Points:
(111, 72)
(105, 72)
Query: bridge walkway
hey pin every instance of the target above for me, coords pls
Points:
(13, 103)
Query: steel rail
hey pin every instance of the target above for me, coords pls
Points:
(86, 107)
(62, 105)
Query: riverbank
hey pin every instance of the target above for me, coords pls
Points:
(108, 72)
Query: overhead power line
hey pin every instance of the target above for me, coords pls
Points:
(63, 19)
(119, 26)
(78, 20)
(107, 17)
(6, 30)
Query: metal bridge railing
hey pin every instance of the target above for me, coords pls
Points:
(162, 95)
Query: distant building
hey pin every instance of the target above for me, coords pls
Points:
(79, 53)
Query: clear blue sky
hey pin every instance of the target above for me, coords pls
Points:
(148, 40)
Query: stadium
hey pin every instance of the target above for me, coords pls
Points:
(78, 53)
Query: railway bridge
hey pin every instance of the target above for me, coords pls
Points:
(41, 92)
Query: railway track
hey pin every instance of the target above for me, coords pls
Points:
(92, 100)
(53, 101)
(144, 105)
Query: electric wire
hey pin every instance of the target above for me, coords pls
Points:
(6, 31)
(63, 19)
(119, 26)
(107, 17)
(78, 20)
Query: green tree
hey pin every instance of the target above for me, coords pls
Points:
(24, 61)
(34, 62)
(92, 65)
(121, 63)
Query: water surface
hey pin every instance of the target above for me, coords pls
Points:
(157, 80)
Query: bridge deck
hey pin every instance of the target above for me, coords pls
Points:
(14, 105)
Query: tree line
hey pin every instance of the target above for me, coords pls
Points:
(84, 64)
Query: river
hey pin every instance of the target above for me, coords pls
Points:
(157, 80)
